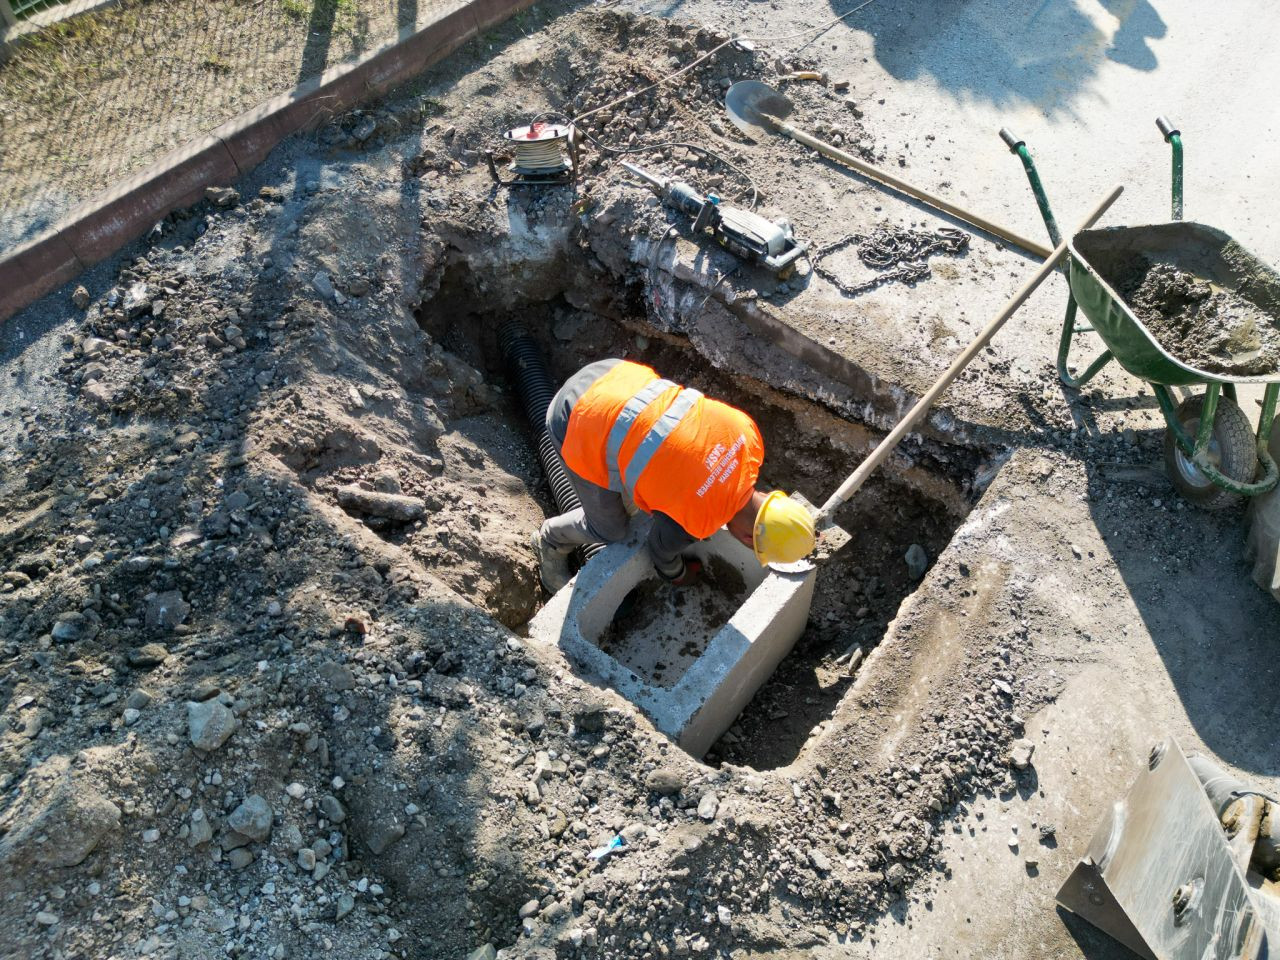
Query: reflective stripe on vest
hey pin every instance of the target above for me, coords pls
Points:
(622, 426)
(653, 440)
(657, 436)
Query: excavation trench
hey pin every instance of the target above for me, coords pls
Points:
(901, 520)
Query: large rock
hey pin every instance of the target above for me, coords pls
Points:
(708, 806)
(323, 285)
(167, 610)
(392, 506)
(147, 656)
(332, 809)
(1020, 753)
(337, 677)
(209, 723)
(201, 829)
(917, 561)
(73, 626)
(94, 346)
(61, 819)
(665, 780)
(101, 395)
(137, 299)
(382, 833)
(250, 822)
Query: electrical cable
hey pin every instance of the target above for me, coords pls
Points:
(537, 159)
(543, 156)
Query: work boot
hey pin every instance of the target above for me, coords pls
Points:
(553, 564)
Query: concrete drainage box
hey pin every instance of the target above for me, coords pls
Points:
(687, 669)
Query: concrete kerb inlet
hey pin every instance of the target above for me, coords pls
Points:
(706, 698)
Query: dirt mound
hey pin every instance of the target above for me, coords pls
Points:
(257, 552)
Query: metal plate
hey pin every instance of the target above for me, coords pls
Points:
(754, 108)
(1161, 839)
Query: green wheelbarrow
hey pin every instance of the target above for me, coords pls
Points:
(1212, 454)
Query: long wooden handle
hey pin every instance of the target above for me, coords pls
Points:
(911, 190)
(916, 414)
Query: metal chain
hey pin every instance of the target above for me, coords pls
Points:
(886, 247)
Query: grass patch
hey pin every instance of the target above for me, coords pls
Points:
(328, 9)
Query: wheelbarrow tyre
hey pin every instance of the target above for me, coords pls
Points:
(1262, 548)
(1233, 443)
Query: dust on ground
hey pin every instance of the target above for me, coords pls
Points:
(1198, 322)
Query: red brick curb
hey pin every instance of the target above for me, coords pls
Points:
(35, 268)
(99, 228)
(95, 230)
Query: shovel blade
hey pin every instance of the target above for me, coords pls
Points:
(756, 108)
(831, 536)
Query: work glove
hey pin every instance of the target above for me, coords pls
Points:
(690, 575)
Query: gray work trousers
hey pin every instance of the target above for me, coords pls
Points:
(602, 518)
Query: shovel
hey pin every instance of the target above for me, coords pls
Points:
(832, 537)
(758, 110)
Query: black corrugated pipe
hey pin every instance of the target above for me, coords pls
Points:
(528, 369)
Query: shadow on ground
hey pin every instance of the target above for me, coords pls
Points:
(1212, 627)
(1043, 54)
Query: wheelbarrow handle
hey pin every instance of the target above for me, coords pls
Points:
(1173, 137)
(917, 412)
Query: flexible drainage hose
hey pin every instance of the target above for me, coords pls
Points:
(526, 366)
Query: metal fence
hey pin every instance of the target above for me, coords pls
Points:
(14, 10)
(90, 100)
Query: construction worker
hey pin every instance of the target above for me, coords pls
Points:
(690, 461)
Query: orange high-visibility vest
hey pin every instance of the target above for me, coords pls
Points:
(671, 449)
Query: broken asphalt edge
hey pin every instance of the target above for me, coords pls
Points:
(100, 227)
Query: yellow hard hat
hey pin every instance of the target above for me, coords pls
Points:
(783, 530)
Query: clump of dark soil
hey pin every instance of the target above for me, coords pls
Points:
(1201, 324)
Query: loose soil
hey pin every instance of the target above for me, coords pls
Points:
(1198, 322)
(241, 719)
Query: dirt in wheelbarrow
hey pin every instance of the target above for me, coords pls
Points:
(1198, 322)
